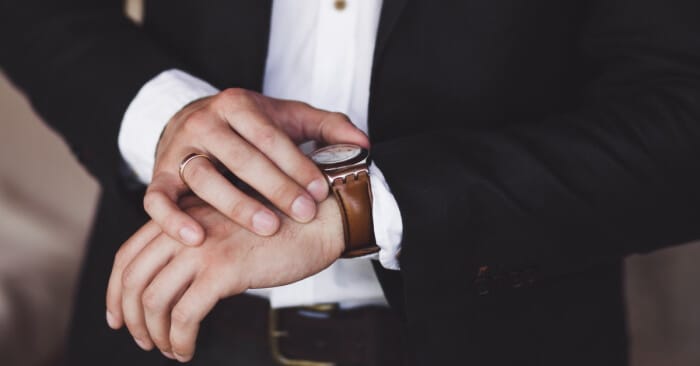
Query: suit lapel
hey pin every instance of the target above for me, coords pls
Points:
(391, 10)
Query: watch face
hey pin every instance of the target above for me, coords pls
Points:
(336, 154)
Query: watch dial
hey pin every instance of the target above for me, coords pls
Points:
(336, 154)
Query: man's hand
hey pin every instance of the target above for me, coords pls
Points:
(162, 289)
(255, 137)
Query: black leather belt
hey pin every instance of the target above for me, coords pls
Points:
(243, 330)
(325, 335)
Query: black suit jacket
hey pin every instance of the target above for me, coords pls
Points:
(530, 146)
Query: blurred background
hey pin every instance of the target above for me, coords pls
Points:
(46, 206)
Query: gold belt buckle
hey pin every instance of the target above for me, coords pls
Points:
(275, 334)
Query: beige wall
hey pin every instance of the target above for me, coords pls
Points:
(663, 291)
(46, 205)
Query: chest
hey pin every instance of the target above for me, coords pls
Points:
(479, 62)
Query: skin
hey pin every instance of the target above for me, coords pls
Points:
(245, 133)
(161, 289)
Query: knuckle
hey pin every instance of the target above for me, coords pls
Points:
(120, 257)
(198, 122)
(307, 171)
(233, 93)
(235, 97)
(129, 280)
(138, 332)
(265, 136)
(239, 210)
(284, 192)
(172, 224)
(150, 201)
(151, 301)
(339, 116)
(181, 318)
(296, 105)
(163, 343)
(304, 105)
(238, 156)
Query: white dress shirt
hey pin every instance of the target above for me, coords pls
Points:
(318, 54)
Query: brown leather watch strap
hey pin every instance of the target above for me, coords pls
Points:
(354, 197)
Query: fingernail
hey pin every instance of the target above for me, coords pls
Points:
(304, 208)
(318, 189)
(110, 320)
(189, 235)
(145, 346)
(168, 355)
(264, 223)
(180, 358)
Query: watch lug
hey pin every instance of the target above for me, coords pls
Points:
(343, 174)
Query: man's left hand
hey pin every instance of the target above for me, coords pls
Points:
(162, 289)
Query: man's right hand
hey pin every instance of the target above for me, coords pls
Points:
(255, 137)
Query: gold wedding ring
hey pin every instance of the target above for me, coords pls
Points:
(187, 160)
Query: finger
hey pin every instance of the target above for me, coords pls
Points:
(160, 296)
(123, 257)
(277, 146)
(160, 202)
(136, 277)
(208, 184)
(315, 124)
(254, 168)
(189, 312)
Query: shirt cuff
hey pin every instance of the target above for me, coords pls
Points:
(145, 118)
(388, 227)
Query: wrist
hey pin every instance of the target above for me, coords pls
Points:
(346, 169)
(330, 224)
(301, 249)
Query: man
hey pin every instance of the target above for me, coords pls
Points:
(529, 147)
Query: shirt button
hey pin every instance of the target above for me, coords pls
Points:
(340, 4)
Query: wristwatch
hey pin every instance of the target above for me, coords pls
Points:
(346, 168)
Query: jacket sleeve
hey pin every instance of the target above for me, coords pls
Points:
(618, 174)
(80, 62)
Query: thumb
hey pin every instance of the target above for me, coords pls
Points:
(305, 123)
